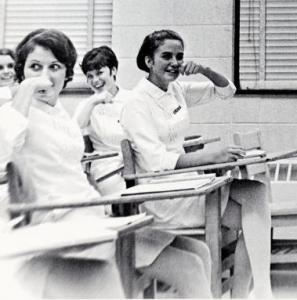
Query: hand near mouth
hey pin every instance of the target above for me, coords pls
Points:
(190, 68)
(102, 98)
(37, 84)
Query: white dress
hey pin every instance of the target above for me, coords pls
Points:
(50, 144)
(157, 122)
(106, 134)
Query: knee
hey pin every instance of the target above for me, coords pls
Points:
(195, 265)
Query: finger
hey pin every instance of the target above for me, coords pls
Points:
(188, 68)
(182, 68)
(196, 69)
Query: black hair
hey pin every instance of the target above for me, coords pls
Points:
(152, 42)
(6, 51)
(98, 58)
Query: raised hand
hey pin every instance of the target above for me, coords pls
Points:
(102, 98)
(189, 68)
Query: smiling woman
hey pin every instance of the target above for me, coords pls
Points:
(7, 74)
(50, 144)
(7, 62)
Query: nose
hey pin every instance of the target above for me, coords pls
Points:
(46, 73)
(6, 69)
(174, 61)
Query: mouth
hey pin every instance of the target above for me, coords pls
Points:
(173, 71)
(8, 77)
(98, 86)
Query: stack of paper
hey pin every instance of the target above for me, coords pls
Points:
(254, 153)
(171, 184)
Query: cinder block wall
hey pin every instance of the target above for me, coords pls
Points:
(207, 27)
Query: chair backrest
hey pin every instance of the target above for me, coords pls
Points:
(21, 189)
(250, 141)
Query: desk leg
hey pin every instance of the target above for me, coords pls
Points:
(213, 239)
(125, 253)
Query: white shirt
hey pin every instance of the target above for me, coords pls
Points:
(12, 130)
(52, 150)
(106, 132)
(5, 92)
(157, 122)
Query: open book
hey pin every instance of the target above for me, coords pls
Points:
(170, 184)
(254, 153)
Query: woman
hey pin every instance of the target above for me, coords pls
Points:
(170, 259)
(7, 74)
(51, 147)
(156, 121)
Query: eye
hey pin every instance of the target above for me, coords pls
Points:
(98, 73)
(10, 66)
(89, 77)
(35, 67)
(56, 67)
(1, 67)
(166, 56)
(180, 56)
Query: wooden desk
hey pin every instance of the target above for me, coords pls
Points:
(212, 228)
(91, 157)
(273, 156)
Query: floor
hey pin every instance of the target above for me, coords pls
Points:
(284, 284)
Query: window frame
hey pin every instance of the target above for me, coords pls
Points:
(236, 63)
(80, 86)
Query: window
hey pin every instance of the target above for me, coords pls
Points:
(266, 44)
(87, 22)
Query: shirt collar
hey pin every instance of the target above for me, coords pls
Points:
(155, 91)
(57, 109)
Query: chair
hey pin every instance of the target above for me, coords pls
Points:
(22, 207)
(221, 241)
(283, 214)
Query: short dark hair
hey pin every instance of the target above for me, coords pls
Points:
(6, 51)
(51, 39)
(98, 58)
(152, 42)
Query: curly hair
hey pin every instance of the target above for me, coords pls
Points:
(51, 39)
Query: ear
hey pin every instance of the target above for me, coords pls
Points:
(114, 71)
(148, 61)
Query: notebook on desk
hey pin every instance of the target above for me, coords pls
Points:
(170, 185)
(254, 153)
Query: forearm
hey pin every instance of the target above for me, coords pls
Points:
(195, 159)
(23, 98)
(218, 79)
(83, 118)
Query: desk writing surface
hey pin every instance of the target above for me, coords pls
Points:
(271, 156)
(117, 199)
(60, 236)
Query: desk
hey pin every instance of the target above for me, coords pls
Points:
(212, 228)
(273, 156)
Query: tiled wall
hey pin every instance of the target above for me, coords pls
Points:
(207, 27)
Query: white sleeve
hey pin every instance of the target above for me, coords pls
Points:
(13, 128)
(197, 93)
(78, 111)
(139, 125)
